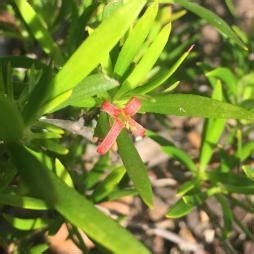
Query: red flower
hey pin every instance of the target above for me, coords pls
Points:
(122, 118)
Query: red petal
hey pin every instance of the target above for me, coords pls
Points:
(136, 128)
(132, 106)
(110, 109)
(111, 137)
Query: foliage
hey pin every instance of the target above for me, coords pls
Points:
(112, 51)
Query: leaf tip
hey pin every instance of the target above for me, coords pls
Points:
(190, 49)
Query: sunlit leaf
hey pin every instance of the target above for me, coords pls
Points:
(135, 40)
(249, 171)
(72, 205)
(210, 17)
(90, 86)
(213, 129)
(193, 105)
(161, 76)
(39, 30)
(146, 63)
(23, 202)
(25, 224)
(95, 48)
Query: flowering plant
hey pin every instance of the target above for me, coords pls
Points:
(121, 58)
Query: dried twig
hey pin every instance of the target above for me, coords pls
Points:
(183, 244)
(75, 127)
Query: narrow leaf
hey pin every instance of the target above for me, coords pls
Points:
(186, 187)
(185, 205)
(227, 215)
(23, 202)
(169, 148)
(25, 224)
(162, 76)
(210, 17)
(249, 171)
(146, 63)
(90, 86)
(227, 77)
(246, 150)
(74, 207)
(193, 105)
(95, 48)
(104, 188)
(213, 130)
(39, 30)
(135, 167)
(11, 128)
(180, 209)
(135, 40)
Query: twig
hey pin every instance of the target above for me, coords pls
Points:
(75, 127)
(164, 182)
(183, 244)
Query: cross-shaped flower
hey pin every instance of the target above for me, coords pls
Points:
(122, 118)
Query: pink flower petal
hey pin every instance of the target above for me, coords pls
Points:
(110, 109)
(111, 137)
(132, 106)
(136, 128)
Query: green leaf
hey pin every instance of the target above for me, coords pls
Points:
(51, 145)
(76, 31)
(169, 148)
(246, 150)
(181, 208)
(39, 30)
(25, 224)
(249, 171)
(104, 188)
(23, 202)
(90, 86)
(185, 205)
(248, 104)
(227, 77)
(39, 248)
(11, 127)
(193, 105)
(97, 172)
(122, 193)
(146, 63)
(161, 77)
(33, 107)
(231, 6)
(227, 215)
(22, 62)
(135, 40)
(7, 174)
(63, 173)
(111, 7)
(135, 167)
(211, 18)
(95, 48)
(213, 129)
(2, 82)
(233, 184)
(186, 187)
(73, 206)
(7, 75)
